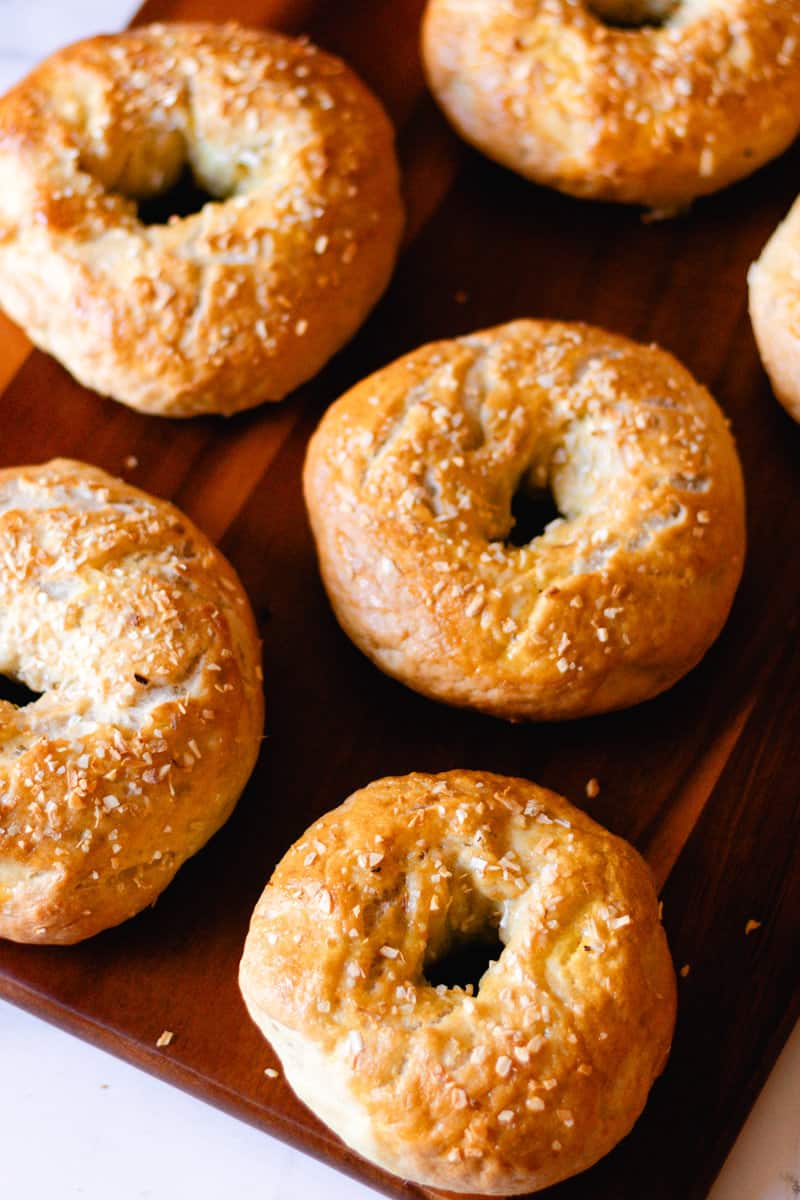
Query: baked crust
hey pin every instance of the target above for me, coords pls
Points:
(549, 1065)
(653, 116)
(140, 637)
(233, 305)
(409, 481)
(774, 286)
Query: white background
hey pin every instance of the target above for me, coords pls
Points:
(76, 1122)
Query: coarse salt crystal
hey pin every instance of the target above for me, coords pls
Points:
(355, 1042)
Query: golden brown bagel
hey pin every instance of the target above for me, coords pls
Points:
(140, 637)
(237, 303)
(409, 482)
(654, 115)
(774, 283)
(549, 1065)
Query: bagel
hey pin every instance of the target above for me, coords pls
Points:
(232, 305)
(409, 482)
(529, 1081)
(141, 640)
(656, 115)
(774, 287)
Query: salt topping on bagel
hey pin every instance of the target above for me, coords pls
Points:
(410, 479)
(141, 641)
(524, 1083)
(687, 98)
(232, 305)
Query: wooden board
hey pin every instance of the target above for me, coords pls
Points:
(704, 780)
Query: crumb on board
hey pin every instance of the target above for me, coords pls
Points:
(270, 1073)
(751, 926)
(592, 788)
(130, 462)
(165, 1038)
(685, 969)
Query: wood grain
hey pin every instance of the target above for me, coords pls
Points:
(704, 779)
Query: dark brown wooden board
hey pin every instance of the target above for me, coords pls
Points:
(705, 779)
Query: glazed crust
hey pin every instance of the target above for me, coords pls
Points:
(651, 115)
(774, 285)
(141, 639)
(529, 1081)
(409, 482)
(235, 304)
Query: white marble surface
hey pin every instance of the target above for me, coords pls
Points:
(76, 1122)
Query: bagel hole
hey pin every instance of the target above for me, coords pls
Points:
(15, 692)
(186, 196)
(532, 512)
(633, 14)
(465, 963)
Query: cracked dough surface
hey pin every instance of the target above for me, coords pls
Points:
(140, 638)
(523, 1084)
(232, 305)
(692, 96)
(409, 482)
